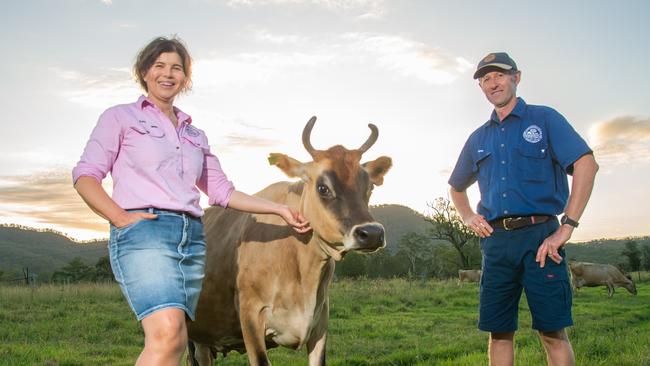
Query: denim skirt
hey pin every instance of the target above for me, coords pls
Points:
(159, 263)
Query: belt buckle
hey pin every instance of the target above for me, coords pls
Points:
(506, 221)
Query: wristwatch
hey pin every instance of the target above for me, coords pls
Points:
(569, 221)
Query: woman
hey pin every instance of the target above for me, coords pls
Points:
(158, 161)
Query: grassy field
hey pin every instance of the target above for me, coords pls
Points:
(383, 322)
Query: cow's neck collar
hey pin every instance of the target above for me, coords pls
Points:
(329, 249)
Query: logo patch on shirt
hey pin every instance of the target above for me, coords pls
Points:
(192, 131)
(533, 134)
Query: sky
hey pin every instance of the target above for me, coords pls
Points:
(263, 68)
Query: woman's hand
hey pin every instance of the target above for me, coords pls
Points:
(294, 219)
(129, 218)
(253, 204)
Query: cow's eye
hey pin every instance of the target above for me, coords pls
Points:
(323, 190)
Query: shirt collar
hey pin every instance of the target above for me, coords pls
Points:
(518, 110)
(182, 116)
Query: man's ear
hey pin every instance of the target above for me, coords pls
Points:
(377, 168)
(290, 166)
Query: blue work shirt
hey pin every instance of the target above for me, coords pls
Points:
(520, 163)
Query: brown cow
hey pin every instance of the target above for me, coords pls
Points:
(596, 274)
(469, 275)
(265, 285)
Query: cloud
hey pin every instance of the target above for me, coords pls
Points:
(621, 140)
(290, 58)
(104, 87)
(366, 9)
(259, 67)
(47, 198)
(236, 140)
(296, 54)
(265, 36)
(409, 58)
(107, 2)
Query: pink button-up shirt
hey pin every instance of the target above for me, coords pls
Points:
(152, 163)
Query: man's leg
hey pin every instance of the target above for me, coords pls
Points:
(558, 348)
(501, 349)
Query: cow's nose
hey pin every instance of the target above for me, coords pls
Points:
(369, 236)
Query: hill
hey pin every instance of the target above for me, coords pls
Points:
(398, 220)
(603, 250)
(45, 251)
(42, 251)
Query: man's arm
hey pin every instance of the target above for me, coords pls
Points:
(584, 174)
(474, 221)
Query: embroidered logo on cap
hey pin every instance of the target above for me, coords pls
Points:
(533, 134)
(489, 57)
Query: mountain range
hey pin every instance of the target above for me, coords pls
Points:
(45, 251)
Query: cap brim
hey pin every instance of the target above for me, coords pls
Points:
(491, 67)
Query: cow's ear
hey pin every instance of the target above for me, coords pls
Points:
(377, 168)
(290, 166)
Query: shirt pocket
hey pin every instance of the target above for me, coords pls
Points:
(194, 150)
(533, 162)
(482, 167)
(147, 145)
(150, 129)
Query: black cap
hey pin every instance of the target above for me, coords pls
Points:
(495, 61)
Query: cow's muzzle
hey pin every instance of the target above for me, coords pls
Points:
(368, 237)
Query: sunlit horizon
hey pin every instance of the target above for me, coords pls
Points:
(263, 68)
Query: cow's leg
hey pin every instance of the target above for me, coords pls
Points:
(252, 326)
(610, 289)
(318, 339)
(203, 355)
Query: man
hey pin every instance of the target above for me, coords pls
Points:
(521, 158)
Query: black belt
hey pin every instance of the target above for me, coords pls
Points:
(514, 223)
(154, 210)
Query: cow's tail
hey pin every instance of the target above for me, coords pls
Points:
(191, 350)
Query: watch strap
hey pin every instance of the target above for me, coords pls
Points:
(569, 221)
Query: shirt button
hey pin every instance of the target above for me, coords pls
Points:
(503, 129)
(503, 145)
(503, 178)
(178, 147)
(504, 195)
(503, 161)
(505, 212)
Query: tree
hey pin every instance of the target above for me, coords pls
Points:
(103, 271)
(354, 265)
(74, 271)
(645, 250)
(446, 224)
(633, 255)
(418, 250)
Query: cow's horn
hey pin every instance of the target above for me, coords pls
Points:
(371, 140)
(306, 136)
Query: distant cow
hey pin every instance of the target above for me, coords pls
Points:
(596, 274)
(265, 285)
(469, 275)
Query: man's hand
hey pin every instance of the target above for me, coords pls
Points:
(552, 244)
(478, 225)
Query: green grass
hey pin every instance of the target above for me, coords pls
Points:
(372, 322)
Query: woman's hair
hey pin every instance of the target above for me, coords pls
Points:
(149, 54)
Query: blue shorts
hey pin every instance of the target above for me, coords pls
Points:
(508, 266)
(159, 263)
